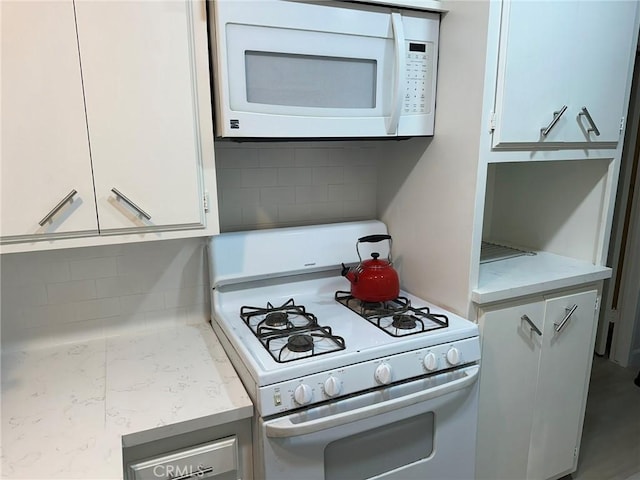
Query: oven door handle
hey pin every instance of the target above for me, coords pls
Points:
(284, 427)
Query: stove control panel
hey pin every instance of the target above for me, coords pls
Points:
(333, 384)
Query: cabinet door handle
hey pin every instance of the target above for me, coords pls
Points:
(55, 209)
(556, 117)
(570, 310)
(593, 128)
(131, 204)
(531, 324)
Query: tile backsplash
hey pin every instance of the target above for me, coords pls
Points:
(75, 294)
(263, 185)
(63, 295)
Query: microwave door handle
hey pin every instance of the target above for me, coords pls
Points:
(284, 427)
(399, 82)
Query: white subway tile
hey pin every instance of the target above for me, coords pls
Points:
(240, 196)
(100, 308)
(142, 303)
(360, 174)
(367, 192)
(236, 157)
(294, 176)
(311, 157)
(73, 291)
(25, 295)
(229, 178)
(294, 213)
(197, 314)
(93, 268)
(259, 177)
(185, 296)
(49, 315)
(327, 175)
(120, 285)
(312, 194)
(167, 318)
(22, 270)
(230, 215)
(264, 215)
(344, 193)
(276, 157)
(359, 210)
(277, 195)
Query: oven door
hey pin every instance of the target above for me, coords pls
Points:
(422, 429)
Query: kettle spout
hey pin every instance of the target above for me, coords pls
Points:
(348, 273)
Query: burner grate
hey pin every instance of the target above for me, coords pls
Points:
(289, 332)
(396, 317)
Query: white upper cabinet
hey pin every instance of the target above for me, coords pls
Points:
(138, 68)
(106, 123)
(563, 72)
(45, 150)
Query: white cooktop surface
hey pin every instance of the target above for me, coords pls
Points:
(364, 341)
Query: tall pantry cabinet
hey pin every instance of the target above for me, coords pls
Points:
(556, 94)
(106, 123)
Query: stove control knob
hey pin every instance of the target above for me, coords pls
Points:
(430, 361)
(453, 356)
(302, 394)
(332, 386)
(383, 374)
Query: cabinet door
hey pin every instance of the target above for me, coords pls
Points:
(138, 70)
(565, 368)
(604, 56)
(45, 149)
(533, 72)
(508, 378)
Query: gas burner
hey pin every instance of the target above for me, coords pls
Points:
(300, 343)
(288, 317)
(289, 332)
(403, 322)
(276, 319)
(396, 317)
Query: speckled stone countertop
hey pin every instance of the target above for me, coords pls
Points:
(67, 410)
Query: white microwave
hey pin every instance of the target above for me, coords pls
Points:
(289, 69)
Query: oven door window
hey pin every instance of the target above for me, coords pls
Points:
(310, 80)
(381, 449)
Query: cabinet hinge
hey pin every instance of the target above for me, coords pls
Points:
(575, 452)
(492, 122)
(621, 124)
(597, 304)
(205, 201)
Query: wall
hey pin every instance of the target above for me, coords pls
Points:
(428, 194)
(264, 185)
(86, 293)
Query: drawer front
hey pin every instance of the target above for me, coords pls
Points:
(217, 459)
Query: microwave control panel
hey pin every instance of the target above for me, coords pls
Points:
(418, 88)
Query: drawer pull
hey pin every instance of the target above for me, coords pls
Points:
(593, 128)
(55, 209)
(199, 473)
(531, 324)
(131, 204)
(570, 310)
(556, 117)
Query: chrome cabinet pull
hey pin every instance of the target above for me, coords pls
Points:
(55, 209)
(570, 310)
(556, 117)
(131, 204)
(531, 324)
(593, 128)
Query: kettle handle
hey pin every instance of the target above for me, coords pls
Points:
(374, 239)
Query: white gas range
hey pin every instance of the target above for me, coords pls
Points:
(318, 363)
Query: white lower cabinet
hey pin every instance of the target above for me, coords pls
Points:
(536, 364)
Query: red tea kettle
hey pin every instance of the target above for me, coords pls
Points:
(373, 280)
